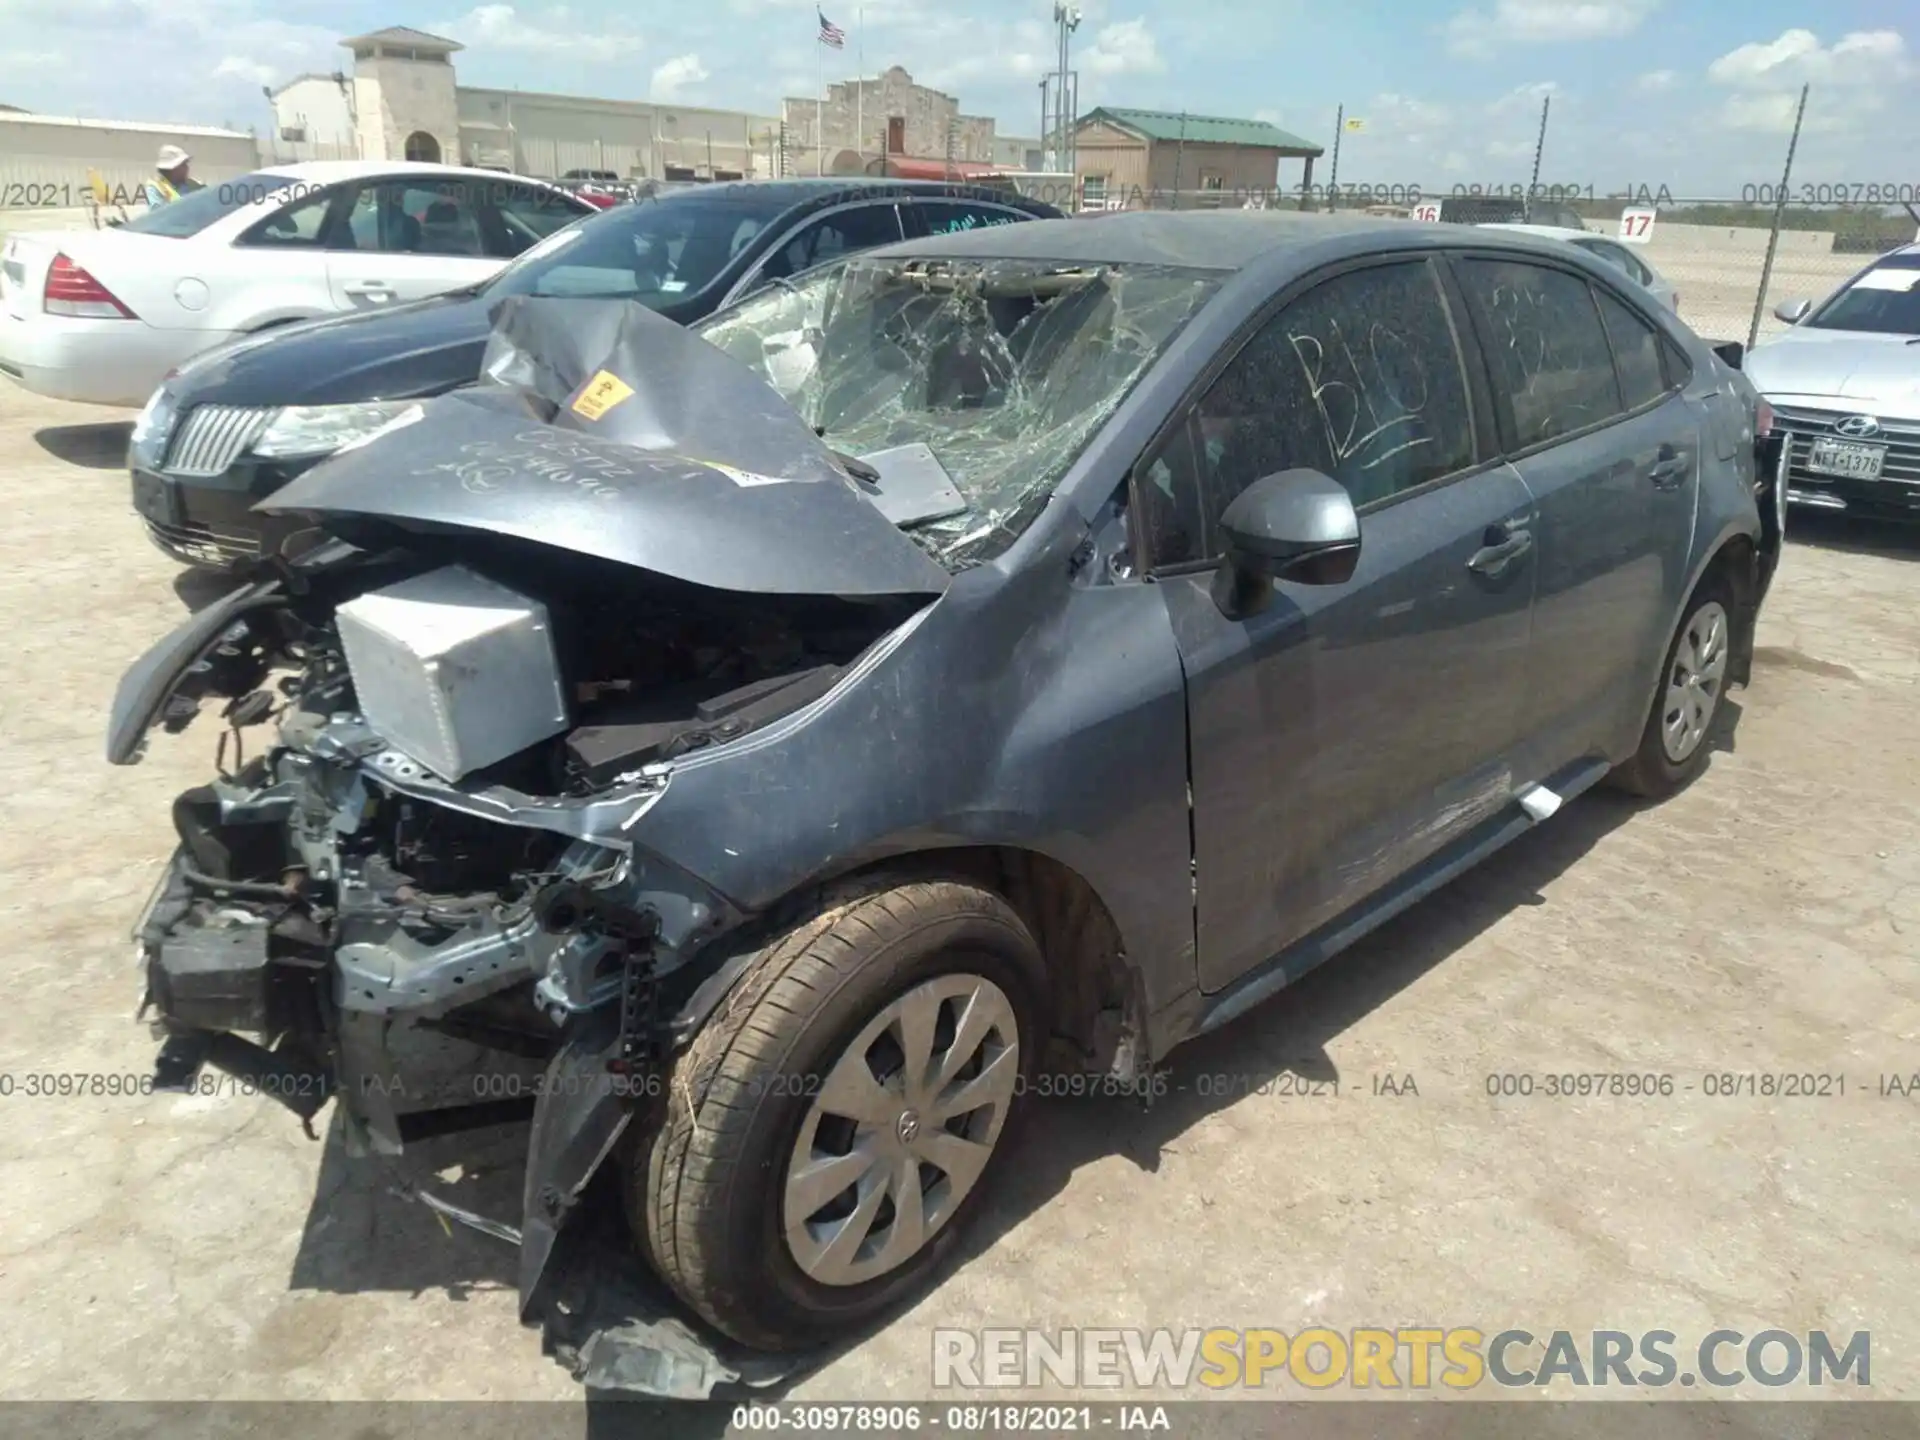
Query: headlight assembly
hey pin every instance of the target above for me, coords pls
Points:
(306, 430)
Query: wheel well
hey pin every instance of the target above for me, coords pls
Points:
(1733, 565)
(1097, 1000)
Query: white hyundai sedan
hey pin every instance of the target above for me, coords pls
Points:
(102, 315)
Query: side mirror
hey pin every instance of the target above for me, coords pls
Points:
(1298, 525)
(1793, 311)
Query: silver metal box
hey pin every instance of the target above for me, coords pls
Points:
(453, 670)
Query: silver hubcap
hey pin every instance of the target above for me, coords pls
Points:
(1694, 683)
(901, 1129)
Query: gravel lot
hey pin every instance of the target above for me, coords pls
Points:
(1768, 920)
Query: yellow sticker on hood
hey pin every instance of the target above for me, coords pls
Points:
(599, 395)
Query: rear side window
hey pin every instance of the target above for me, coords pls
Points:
(946, 217)
(302, 225)
(195, 211)
(1552, 366)
(1636, 353)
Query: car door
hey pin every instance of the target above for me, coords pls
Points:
(279, 268)
(1612, 454)
(1346, 732)
(407, 239)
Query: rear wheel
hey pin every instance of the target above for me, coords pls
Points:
(829, 1133)
(1675, 744)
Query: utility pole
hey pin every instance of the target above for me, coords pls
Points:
(1179, 159)
(1333, 177)
(1779, 210)
(1067, 20)
(1539, 149)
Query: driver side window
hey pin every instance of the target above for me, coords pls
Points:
(1360, 378)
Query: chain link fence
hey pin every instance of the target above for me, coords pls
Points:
(1713, 251)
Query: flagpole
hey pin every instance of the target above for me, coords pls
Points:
(860, 86)
(819, 104)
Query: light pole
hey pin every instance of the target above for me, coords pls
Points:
(1067, 18)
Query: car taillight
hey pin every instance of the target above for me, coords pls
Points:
(72, 291)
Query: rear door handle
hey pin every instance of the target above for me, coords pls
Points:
(1504, 545)
(1669, 469)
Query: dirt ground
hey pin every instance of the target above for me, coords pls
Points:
(1766, 921)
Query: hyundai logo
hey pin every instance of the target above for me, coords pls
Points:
(1858, 426)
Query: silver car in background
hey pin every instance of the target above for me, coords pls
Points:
(1620, 257)
(1844, 384)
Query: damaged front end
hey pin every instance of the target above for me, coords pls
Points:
(423, 898)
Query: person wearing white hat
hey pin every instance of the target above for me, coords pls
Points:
(173, 181)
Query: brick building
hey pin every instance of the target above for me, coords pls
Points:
(859, 121)
(1125, 156)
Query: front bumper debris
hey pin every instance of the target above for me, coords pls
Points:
(271, 951)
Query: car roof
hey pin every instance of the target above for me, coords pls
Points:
(1558, 231)
(824, 189)
(1194, 239)
(326, 172)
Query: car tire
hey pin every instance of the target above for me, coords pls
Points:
(759, 1111)
(1688, 700)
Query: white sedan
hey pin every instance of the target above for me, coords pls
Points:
(1621, 257)
(103, 315)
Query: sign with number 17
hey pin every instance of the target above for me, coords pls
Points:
(1636, 226)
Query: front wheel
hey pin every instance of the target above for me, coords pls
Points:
(830, 1131)
(1674, 746)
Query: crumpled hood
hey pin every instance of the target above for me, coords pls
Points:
(1873, 374)
(609, 430)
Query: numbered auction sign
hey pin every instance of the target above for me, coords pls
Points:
(1636, 226)
(1428, 211)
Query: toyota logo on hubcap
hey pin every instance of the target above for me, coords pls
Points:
(1858, 426)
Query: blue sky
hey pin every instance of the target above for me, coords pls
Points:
(1696, 95)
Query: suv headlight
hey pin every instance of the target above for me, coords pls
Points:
(306, 430)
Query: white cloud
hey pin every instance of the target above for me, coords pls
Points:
(1479, 34)
(1525, 98)
(1125, 47)
(251, 71)
(1850, 80)
(1655, 81)
(675, 76)
(556, 32)
(1797, 58)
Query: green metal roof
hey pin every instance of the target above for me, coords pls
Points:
(1202, 129)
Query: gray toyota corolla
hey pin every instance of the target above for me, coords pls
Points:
(784, 748)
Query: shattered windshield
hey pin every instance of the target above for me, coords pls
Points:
(1002, 370)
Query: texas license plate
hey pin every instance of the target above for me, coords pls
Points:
(1840, 457)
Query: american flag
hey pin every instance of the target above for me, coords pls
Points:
(830, 33)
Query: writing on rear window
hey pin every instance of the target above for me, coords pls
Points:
(968, 222)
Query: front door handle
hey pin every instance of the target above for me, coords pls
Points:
(1504, 544)
(1668, 469)
(367, 287)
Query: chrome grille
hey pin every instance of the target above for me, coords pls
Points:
(1802, 427)
(210, 438)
